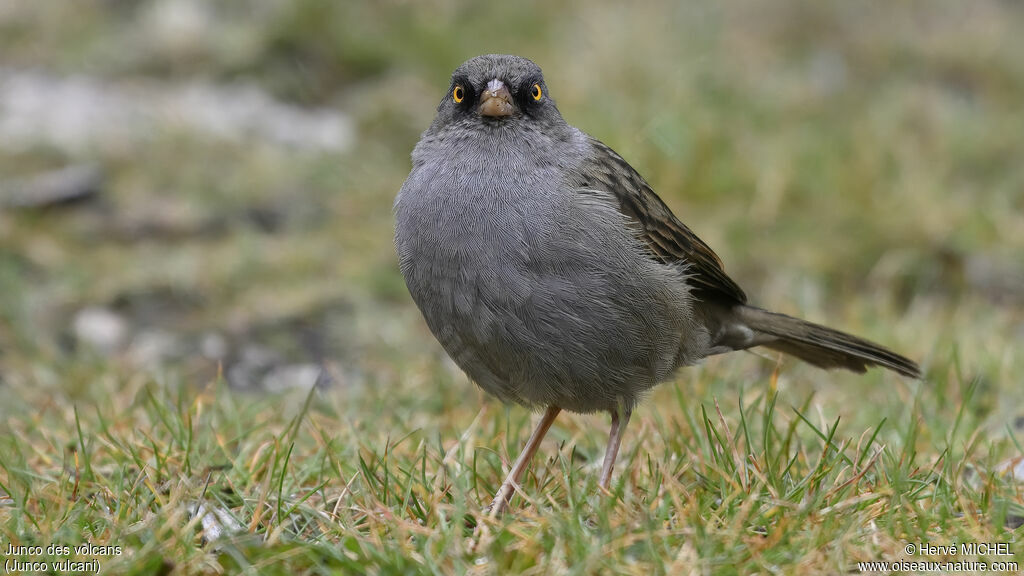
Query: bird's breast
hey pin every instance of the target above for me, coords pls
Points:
(474, 207)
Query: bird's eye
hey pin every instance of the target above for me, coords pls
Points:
(536, 92)
(458, 94)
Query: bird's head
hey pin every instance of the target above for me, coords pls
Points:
(497, 90)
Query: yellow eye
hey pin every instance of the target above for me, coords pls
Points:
(536, 92)
(458, 94)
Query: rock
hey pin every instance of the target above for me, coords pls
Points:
(1012, 468)
(178, 27)
(100, 329)
(213, 345)
(82, 113)
(163, 306)
(64, 186)
(154, 347)
(216, 521)
(254, 362)
(827, 72)
(1000, 278)
(294, 377)
(167, 218)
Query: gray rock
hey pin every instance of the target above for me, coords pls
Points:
(100, 329)
(253, 363)
(154, 347)
(1012, 468)
(216, 521)
(293, 377)
(63, 186)
(213, 345)
(80, 113)
(178, 26)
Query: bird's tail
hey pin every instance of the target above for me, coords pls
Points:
(822, 346)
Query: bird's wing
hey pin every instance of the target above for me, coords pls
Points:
(669, 239)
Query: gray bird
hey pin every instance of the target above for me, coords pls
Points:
(555, 277)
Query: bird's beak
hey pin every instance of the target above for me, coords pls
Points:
(496, 100)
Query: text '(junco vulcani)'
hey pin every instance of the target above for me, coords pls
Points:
(555, 277)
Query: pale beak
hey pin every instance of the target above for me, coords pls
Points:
(496, 100)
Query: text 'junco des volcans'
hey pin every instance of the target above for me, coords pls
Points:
(555, 277)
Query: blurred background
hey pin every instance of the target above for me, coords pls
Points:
(193, 188)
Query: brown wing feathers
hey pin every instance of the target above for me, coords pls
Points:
(668, 238)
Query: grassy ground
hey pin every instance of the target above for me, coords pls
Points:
(856, 164)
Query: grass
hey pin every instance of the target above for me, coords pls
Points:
(717, 479)
(852, 165)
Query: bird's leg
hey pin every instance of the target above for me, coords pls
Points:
(620, 418)
(501, 499)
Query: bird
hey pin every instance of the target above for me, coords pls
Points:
(556, 278)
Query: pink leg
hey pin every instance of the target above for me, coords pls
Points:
(614, 440)
(504, 495)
